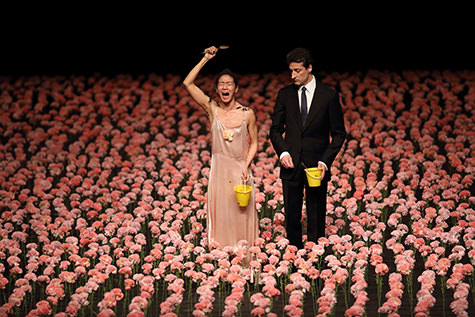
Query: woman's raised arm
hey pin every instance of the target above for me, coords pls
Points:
(196, 93)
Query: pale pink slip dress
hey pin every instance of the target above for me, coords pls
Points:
(227, 223)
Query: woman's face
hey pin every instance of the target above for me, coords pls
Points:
(226, 89)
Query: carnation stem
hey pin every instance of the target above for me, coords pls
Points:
(409, 288)
(379, 283)
(442, 286)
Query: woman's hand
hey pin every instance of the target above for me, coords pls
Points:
(245, 174)
(210, 52)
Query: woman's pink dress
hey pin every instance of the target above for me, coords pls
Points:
(227, 223)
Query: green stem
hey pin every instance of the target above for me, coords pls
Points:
(409, 288)
(314, 297)
(442, 286)
(345, 292)
(473, 293)
(379, 282)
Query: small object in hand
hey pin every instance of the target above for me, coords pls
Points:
(221, 47)
(314, 176)
(243, 193)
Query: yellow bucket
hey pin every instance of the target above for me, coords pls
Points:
(243, 193)
(314, 176)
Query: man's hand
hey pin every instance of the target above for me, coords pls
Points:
(286, 161)
(322, 166)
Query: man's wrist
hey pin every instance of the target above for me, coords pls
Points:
(283, 154)
(324, 165)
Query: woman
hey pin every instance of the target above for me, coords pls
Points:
(234, 145)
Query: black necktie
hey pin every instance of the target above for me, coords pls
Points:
(303, 106)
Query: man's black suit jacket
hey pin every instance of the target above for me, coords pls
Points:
(310, 143)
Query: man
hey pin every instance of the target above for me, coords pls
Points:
(309, 113)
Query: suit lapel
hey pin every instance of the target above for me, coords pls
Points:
(315, 107)
(295, 108)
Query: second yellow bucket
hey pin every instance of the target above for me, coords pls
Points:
(243, 193)
(314, 176)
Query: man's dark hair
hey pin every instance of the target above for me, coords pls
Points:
(300, 55)
(228, 72)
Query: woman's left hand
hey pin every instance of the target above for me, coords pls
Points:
(245, 174)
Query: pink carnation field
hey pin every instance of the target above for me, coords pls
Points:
(103, 201)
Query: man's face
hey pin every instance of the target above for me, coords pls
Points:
(299, 74)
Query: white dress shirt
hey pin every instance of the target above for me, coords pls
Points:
(310, 91)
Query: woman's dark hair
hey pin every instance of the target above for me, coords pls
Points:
(228, 72)
(300, 55)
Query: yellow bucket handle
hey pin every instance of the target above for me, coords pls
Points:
(317, 178)
(244, 185)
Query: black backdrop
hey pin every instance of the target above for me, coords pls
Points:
(145, 40)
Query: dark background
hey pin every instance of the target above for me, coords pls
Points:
(141, 40)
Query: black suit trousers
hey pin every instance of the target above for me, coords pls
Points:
(316, 200)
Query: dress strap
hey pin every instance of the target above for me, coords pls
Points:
(244, 114)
